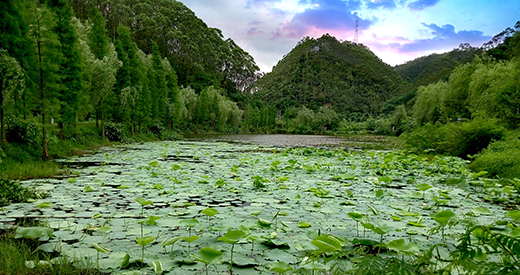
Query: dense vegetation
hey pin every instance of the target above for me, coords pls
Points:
(343, 76)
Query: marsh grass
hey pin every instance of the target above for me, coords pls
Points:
(16, 252)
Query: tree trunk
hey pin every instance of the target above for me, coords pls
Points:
(102, 119)
(45, 151)
(2, 118)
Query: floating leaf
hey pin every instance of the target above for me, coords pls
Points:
(33, 232)
(403, 247)
(190, 222)
(279, 267)
(89, 188)
(208, 255)
(304, 224)
(514, 214)
(154, 163)
(443, 216)
(327, 243)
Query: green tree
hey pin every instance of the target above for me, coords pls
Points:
(158, 87)
(44, 72)
(71, 65)
(11, 80)
(98, 37)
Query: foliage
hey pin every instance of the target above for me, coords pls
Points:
(500, 159)
(116, 132)
(344, 76)
(457, 139)
(14, 192)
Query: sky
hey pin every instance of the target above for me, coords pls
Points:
(395, 30)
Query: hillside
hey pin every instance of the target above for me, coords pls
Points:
(326, 72)
(432, 68)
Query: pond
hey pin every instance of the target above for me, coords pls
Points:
(353, 142)
(166, 203)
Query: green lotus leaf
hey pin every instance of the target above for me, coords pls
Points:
(304, 224)
(100, 248)
(191, 239)
(170, 241)
(190, 222)
(279, 267)
(208, 255)
(443, 216)
(144, 240)
(514, 214)
(232, 236)
(423, 186)
(264, 223)
(157, 267)
(403, 247)
(143, 201)
(314, 266)
(327, 243)
(33, 232)
(209, 212)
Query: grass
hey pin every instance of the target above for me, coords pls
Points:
(16, 252)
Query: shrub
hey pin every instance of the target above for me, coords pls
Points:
(460, 139)
(22, 132)
(116, 132)
(500, 159)
(14, 192)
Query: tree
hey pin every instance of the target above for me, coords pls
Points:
(44, 70)
(11, 80)
(70, 65)
(98, 38)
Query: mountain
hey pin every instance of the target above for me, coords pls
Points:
(345, 76)
(432, 68)
(200, 55)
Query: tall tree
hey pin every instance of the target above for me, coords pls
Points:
(11, 80)
(70, 65)
(158, 87)
(98, 37)
(44, 71)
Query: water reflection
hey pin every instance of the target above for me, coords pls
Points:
(275, 140)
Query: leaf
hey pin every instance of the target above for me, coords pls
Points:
(33, 232)
(191, 239)
(379, 193)
(279, 267)
(304, 225)
(176, 167)
(208, 255)
(100, 248)
(423, 186)
(264, 223)
(151, 220)
(383, 229)
(157, 267)
(144, 240)
(89, 188)
(514, 214)
(190, 222)
(403, 247)
(374, 211)
(232, 236)
(385, 179)
(209, 211)
(443, 216)
(355, 216)
(327, 243)
(44, 205)
(169, 241)
(154, 163)
(143, 201)
(315, 266)
(481, 211)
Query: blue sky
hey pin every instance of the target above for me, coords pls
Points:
(395, 30)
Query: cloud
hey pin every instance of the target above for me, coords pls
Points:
(386, 4)
(420, 5)
(324, 16)
(444, 38)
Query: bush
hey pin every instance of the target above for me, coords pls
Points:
(22, 132)
(14, 192)
(116, 132)
(460, 139)
(500, 159)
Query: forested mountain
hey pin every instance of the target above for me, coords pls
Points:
(345, 76)
(143, 66)
(200, 55)
(432, 68)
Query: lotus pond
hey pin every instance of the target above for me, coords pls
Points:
(198, 207)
